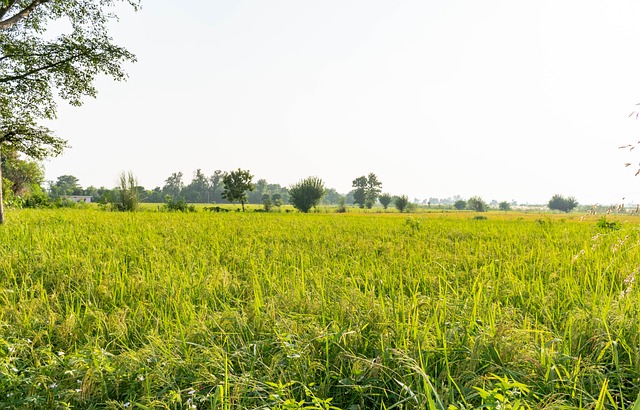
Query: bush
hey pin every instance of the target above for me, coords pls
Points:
(476, 203)
(401, 203)
(178, 206)
(306, 194)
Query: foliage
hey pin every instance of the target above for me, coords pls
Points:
(342, 204)
(604, 224)
(127, 198)
(460, 204)
(366, 190)
(34, 66)
(401, 203)
(560, 203)
(173, 185)
(385, 200)
(306, 194)
(266, 202)
(476, 203)
(236, 184)
(65, 185)
(179, 205)
(23, 174)
(504, 206)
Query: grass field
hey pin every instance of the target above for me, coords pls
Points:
(318, 311)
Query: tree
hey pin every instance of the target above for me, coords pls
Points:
(215, 182)
(560, 203)
(360, 191)
(65, 185)
(21, 174)
(34, 66)
(306, 194)
(374, 187)
(504, 206)
(460, 204)
(236, 185)
(197, 190)
(401, 203)
(366, 190)
(476, 203)
(173, 185)
(385, 200)
(266, 202)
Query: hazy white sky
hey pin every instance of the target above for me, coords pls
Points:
(503, 99)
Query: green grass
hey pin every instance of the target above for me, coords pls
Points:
(283, 311)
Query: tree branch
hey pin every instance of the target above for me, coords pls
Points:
(4, 10)
(38, 69)
(5, 24)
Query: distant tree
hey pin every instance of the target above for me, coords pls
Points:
(504, 206)
(22, 175)
(331, 196)
(374, 187)
(197, 190)
(401, 203)
(366, 190)
(475, 203)
(65, 185)
(276, 199)
(385, 200)
(173, 185)
(460, 204)
(236, 185)
(255, 197)
(306, 194)
(215, 185)
(266, 202)
(360, 191)
(560, 203)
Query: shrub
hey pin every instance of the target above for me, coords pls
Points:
(306, 194)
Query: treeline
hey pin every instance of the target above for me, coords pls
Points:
(202, 189)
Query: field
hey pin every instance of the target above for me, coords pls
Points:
(317, 311)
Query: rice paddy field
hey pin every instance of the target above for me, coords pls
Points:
(157, 310)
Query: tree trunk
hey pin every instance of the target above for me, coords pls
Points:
(1, 199)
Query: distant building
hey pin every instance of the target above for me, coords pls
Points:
(78, 198)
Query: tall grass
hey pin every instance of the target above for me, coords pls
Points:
(282, 311)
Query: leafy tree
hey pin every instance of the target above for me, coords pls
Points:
(173, 185)
(255, 197)
(236, 185)
(197, 190)
(476, 203)
(65, 185)
(33, 65)
(266, 202)
(276, 199)
(401, 203)
(374, 187)
(560, 203)
(504, 206)
(360, 191)
(385, 200)
(460, 204)
(366, 190)
(215, 185)
(306, 193)
(23, 176)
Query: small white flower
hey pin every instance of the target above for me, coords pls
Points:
(127, 404)
(29, 341)
(78, 390)
(140, 377)
(60, 353)
(191, 392)
(53, 385)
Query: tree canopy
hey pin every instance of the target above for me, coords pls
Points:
(560, 203)
(36, 66)
(306, 194)
(236, 184)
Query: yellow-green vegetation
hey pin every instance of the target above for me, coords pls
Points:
(318, 311)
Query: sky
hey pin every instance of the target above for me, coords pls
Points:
(507, 100)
